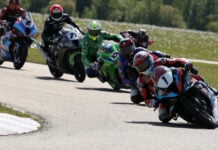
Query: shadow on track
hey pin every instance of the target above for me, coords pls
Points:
(11, 68)
(170, 124)
(125, 103)
(53, 78)
(103, 89)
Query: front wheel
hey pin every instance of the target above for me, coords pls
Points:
(53, 70)
(1, 62)
(79, 72)
(20, 56)
(199, 111)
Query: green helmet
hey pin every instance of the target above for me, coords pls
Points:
(94, 29)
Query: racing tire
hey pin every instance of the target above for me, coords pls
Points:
(54, 71)
(200, 115)
(20, 56)
(79, 73)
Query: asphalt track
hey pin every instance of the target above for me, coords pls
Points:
(89, 116)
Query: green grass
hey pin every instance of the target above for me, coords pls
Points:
(209, 73)
(176, 42)
(6, 109)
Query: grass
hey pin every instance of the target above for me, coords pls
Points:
(176, 42)
(208, 72)
(6, 109)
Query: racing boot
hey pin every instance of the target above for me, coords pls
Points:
(164, 114)
(136, 97)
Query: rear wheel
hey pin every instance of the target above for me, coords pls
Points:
(79, 72)
(200, 112)
(53, 70)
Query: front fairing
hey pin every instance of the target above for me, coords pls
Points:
(67, 47)
(110, 58)
(25, 26)
(173, 91)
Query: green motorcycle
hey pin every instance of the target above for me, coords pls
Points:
(107, 59)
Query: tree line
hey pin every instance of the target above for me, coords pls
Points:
(187, 14)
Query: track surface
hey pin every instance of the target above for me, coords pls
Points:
(89, 116)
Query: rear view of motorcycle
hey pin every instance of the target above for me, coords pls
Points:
(66, 55)
(15, 43)
(185, 97)
(108, 58)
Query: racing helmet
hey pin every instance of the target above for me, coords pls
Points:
(56, 12)
(13, 4)
(94, 29)
(143, 62)
(141, 33)
(163, 78)
(126, 46)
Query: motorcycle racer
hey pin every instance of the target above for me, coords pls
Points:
(140, 38)
(53, 24)
(145, 62)
(10, 13)
(129, 75)
(91, 43)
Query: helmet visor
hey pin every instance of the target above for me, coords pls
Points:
(127, 50)
(144, 65)
(56, 16)
(94, 33)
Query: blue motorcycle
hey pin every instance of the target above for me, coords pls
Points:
(14, 44)
(185, 97)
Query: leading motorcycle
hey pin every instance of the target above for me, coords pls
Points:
(185, 96)
(14, 44)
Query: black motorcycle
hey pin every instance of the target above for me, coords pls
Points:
(66, 54)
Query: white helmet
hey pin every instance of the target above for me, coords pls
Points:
(163, 78)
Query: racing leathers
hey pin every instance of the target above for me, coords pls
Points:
(90, 48)
(51, 30)
(129, 73)
(146, 85)
(10, 16)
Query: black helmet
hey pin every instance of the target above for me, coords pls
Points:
(13, 4)
(127, 46)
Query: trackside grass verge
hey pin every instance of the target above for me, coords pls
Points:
(9, 110)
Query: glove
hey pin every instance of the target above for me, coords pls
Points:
(194, 71)
(188, 66)
(151, 103)
(55, 40)
(131, 73)
(191, 68)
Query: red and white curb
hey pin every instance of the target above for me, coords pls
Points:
(10, 124)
